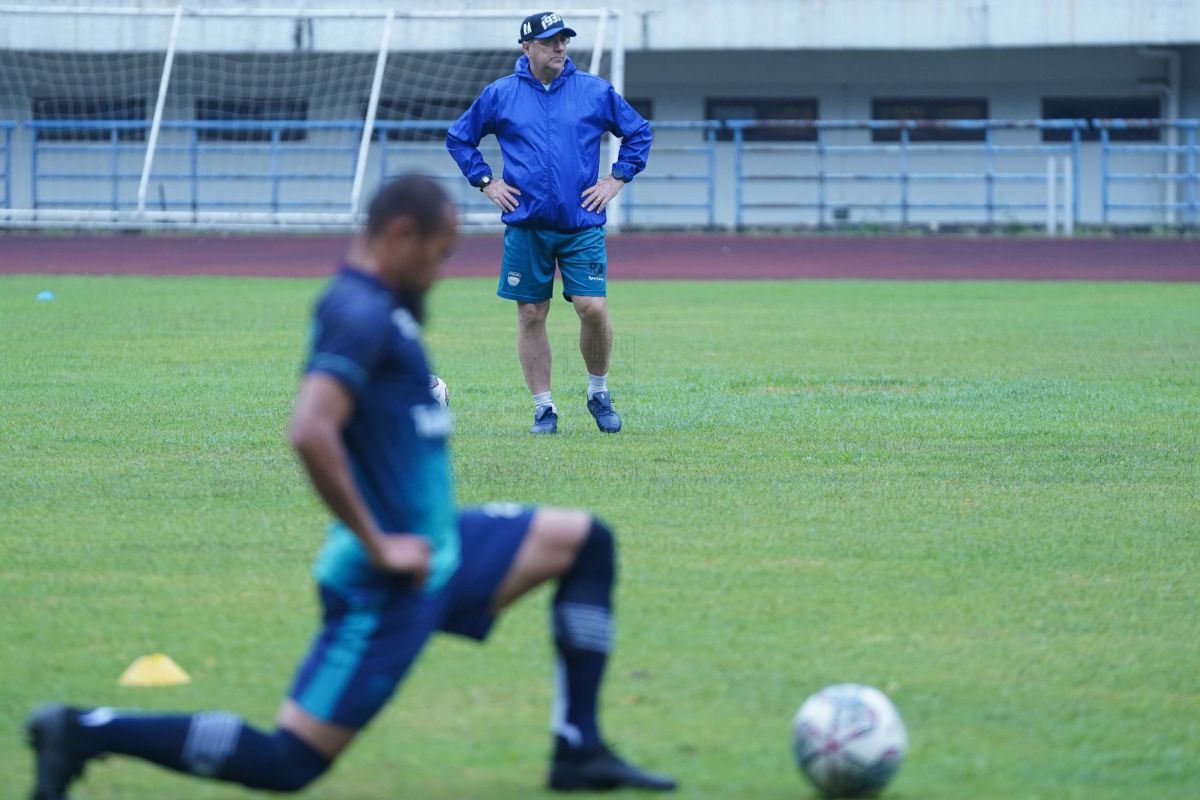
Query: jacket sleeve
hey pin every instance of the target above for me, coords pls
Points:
(462, 140)
(635, 136)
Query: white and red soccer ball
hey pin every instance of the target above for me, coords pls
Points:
(849, 740)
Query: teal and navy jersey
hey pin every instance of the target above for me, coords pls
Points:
(369, 339)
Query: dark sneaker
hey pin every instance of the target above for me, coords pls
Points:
(545, 420)
(607, 420)
(600, 770)
(59, 762)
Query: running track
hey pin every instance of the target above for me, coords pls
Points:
(638, 256)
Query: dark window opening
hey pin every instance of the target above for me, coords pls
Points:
(938, 108)
(764, 109)
(1090, 108)
(255, 109)
(91, 109)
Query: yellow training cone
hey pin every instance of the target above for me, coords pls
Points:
(154, 670)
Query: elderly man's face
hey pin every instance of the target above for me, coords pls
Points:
(547, 57)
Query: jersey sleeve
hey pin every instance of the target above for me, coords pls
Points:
(346, 344)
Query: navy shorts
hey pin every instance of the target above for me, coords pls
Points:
(531, 254)
(370, 638)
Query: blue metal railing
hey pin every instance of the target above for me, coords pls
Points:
(430, 156)
(6, 134)
(121, 170)
(112, 150)
(202, 172)
(1185, 176)
(903, 177)
(471, 201)
(703, 173)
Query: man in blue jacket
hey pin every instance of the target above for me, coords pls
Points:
(549, 120)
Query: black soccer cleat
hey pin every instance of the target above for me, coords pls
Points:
(600, 770)
(58, 761)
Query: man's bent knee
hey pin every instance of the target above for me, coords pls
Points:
(556, 535)
(591, 308)
(550, 549)
(532, 314)
(324, 737)
(301, 764)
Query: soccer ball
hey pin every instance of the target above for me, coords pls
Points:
(849, 740)
(439, 390)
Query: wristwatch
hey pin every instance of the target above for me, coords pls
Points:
(484, 181)
(621, 178)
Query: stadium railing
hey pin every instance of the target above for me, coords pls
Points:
(804, 182)
(816, 174)
(419, 145)
(406, 146)
(688, 165)
(120, 165)
(1175, 177)
(6, 134)
(114, 161)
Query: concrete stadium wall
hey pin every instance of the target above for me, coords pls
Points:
(1014, 81)
(827, 24)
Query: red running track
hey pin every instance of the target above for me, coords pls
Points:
(638, 256)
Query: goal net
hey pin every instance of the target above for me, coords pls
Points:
(246, 118)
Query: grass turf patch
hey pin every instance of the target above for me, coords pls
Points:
(982, 498)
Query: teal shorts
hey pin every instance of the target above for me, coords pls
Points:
(531, 254)
(370, 638)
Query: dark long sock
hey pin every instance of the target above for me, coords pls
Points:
(583, 628)
(216, 745)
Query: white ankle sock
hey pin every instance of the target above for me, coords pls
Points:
(597, 383)
(542, 399)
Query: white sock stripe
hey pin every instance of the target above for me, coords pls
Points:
(583, 610)
(97, 717)
(584, 615)
(217, 734)
(584, 626)
(211, 737)
(580, 628)
(598, 644)
(558, 713)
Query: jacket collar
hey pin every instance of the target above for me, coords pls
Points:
(523, 71)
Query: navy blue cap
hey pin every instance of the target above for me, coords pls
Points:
(543, 25)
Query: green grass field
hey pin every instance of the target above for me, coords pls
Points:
(982, 498)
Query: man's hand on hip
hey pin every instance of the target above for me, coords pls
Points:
(503, 195)
(596, 198)
(404, 554)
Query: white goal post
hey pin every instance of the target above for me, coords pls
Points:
(248, 118)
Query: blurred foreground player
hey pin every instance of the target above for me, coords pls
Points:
(399, 562)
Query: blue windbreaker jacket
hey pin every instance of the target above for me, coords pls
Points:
(550, 141)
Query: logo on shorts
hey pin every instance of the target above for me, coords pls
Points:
(514, 278)
(596, 271)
